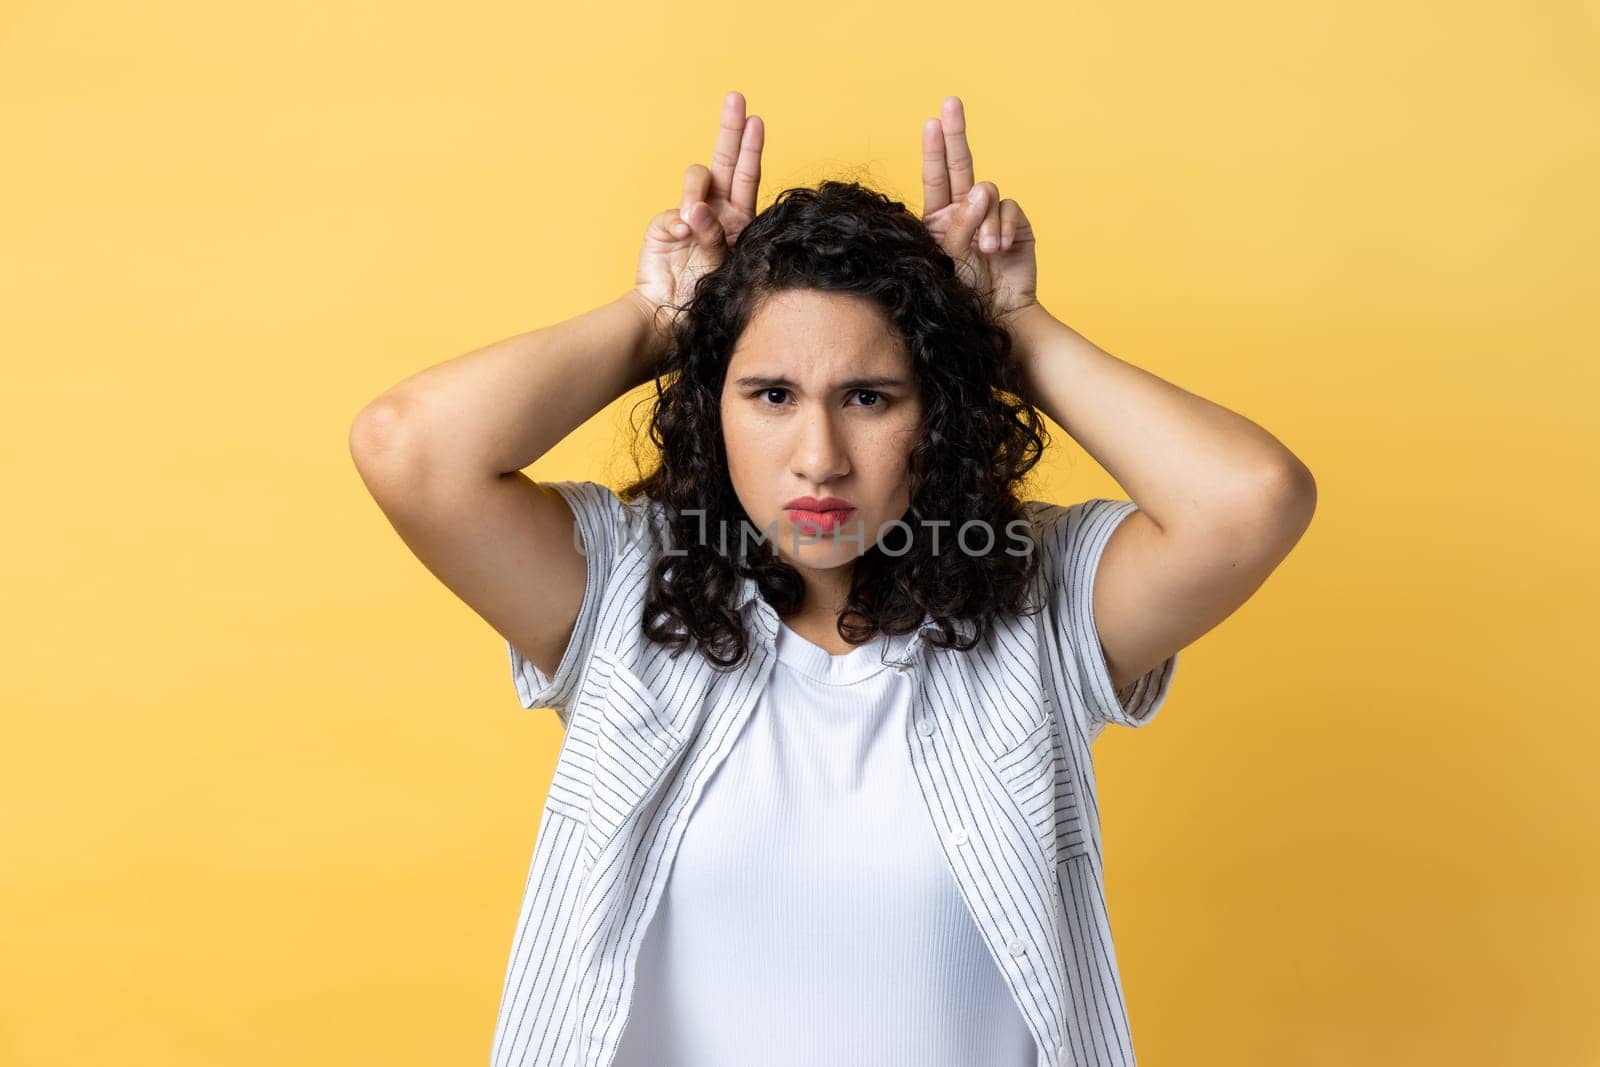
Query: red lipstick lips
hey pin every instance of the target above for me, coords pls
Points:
(827, 513)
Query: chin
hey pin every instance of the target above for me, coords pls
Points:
(821, 557)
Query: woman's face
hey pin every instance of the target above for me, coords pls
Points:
(819, 401)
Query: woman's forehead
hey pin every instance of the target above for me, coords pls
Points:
(809, 332)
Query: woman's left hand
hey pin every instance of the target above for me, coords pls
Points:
(990, 239)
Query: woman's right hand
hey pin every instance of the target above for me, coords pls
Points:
(683, 243)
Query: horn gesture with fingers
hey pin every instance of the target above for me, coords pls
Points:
(990, 239)
(684, 243)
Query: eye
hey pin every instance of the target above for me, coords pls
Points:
(877, 397)
(873, 398)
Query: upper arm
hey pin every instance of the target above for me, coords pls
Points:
(1158, 591)
(1127, 596)
(509, 547)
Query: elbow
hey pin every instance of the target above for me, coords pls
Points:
(1296, 489)
(1281, 502)
(383, 444)
(1269, 508)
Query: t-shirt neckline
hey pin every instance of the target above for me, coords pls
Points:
(863, 661)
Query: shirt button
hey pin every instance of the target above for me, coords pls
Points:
(958, 836)
(1061, 1053)
(926, 727)
(1017, 946)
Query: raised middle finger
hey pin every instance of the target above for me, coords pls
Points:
(958, 156)
(725, 154)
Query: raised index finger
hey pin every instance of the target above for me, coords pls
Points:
(935, 174)
(954, 120)
(747, 178)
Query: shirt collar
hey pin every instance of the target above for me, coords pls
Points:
(750, 591)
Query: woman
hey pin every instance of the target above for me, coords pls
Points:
(825, 794)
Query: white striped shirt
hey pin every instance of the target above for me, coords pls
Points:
(998, 740)
(809, 916)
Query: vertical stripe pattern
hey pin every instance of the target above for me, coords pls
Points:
(998, 740)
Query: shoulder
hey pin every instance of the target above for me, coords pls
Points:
(608, 526)
(1071, 535)
(1047, 516)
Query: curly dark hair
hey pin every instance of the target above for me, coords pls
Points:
(981, 432)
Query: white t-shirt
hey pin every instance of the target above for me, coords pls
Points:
(810, 916)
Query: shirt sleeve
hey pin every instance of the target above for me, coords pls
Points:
(1073, 539)
(601, 528)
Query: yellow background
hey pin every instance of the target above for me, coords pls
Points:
(268, 792)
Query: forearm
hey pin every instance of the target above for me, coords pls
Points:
(1184, 460)
(500, 408)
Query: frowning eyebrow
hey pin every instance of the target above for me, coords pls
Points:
(880, 382)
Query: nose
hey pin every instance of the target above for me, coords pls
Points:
(819, 455)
